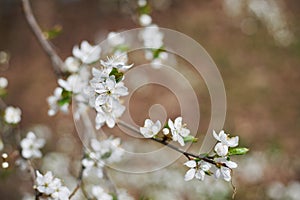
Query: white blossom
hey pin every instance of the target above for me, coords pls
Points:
(45, 183)
(93, 164)
(115, 39)
(53, 102)
(109, 89)
(99, 193)
(221, 147)
(116, 61)
(12, 115)
(52, 187)
(31, 146)
(145, 20)
(87, 53)
(3, 82)
(102, 152)
(109, 113)
(123, 195)
(72, 64)
(178, 130)
(197, 170)
(60, 192)
(224, 172)
(152, 37)
(150, 129)
(142, 3)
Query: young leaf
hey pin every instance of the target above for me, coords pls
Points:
(237, 151)
(118, 75)
(190, 138)
(53, 33)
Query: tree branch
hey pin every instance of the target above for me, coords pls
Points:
(57, 63)
(186, 154)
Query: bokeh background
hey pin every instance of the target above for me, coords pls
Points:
(254, 43)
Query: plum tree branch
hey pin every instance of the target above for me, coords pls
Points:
(57, 63)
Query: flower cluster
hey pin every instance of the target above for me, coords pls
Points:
(76, 83)
(50, 187)
(178, 130)
(31, 146)
(222, 165)
(103, 152)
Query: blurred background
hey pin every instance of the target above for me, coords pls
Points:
(254, 43)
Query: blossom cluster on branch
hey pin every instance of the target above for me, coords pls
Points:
(97, 84)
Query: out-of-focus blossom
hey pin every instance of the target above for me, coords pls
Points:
(152, 37)
(53, 102)
(99, 193)
(3, 82)
(145, 20)
(115, 39)
(72, 64)
(31, 146)
(123, 195)
(87, 53)
(12, 115)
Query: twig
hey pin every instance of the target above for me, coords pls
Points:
(57, 63)
(79, 178)
(186, 154)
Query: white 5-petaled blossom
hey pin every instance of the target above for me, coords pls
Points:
(197, 170)
(31, 146)
(87, 53)
(221, 147)
(72, 64)
(109, 89)
(51, 187)
(3, 82)
(109, 113)
(150, 129)
(99, 193)
(53, 102)
(12, 115)
(178, 130)
(224, 172)
(116, 61)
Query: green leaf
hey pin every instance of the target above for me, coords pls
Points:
(118, 75)
(122, 48)
(66, 98)
(106, 155)
(3, 92)
(145, 9)
(156, 52)
(190, 138)
(53, 33)
(237, 151)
